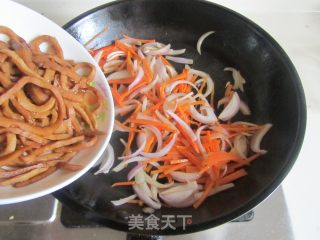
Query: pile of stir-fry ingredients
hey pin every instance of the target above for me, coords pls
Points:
(181, 147)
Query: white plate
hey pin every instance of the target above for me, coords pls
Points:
(29, 24)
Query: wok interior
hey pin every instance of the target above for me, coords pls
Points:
(272, 92)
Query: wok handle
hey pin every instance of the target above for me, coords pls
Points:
(132, 236)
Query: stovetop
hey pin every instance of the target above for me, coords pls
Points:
(46, 219)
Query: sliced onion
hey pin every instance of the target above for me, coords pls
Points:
(137, 79)
(186, 96)
(222, 101)
(176, 52)
(224, 170)
(135, 93)
(140, 115)
(114, 55)
(241, 146)
(182, 123)
(124, 110)
(157, 133)
(107, 161)
(201, 39)
(198, 134)
(138, 151)
(185, 177)
(171, 71)
(122, 88)
(167, 105)
(152, 181)
(257, 138)
(239, 81)
(123, 200)
(180, 60)
(142, 135)
(140, 53)
(154, 189)
(174, 196)
(210, 83)
(145, 198)
(163, 151)
(160, 69)
(231, 109)
(165, 120)
(150, 85)
(160, 51)
(133, 172)
(244, 108)
(210, 118)
(124, 163)
(144, 104)
(144, 192)
(112, 63)
(148, 210)
(118, 75)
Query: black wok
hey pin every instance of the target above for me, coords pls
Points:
(273, 91)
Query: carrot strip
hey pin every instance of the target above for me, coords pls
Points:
(192, 158)
(218, 159)
(128, 183)
(165, 61)
(154, 107)
(147, 69)
(177, 161)
(121, 81)
(129, 91)
(148, 168)
(129, 64)
(126, 48)
(116, 96)
(130, 139)
(175, 167)
(233, 176)
(209, 185)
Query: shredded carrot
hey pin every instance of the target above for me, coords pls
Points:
(176, 161)
(154, 107)
(233, 176)
(130, 140)
(192, 158)
(217, 164)
(165, 61)
(148, 168)
(136, 201)
(147, 69)
(129, 64)
(121, 81)
(208, 187)
(126, 48)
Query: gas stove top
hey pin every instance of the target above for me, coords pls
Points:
(45, 218)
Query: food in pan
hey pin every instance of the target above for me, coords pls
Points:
(180, 145)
